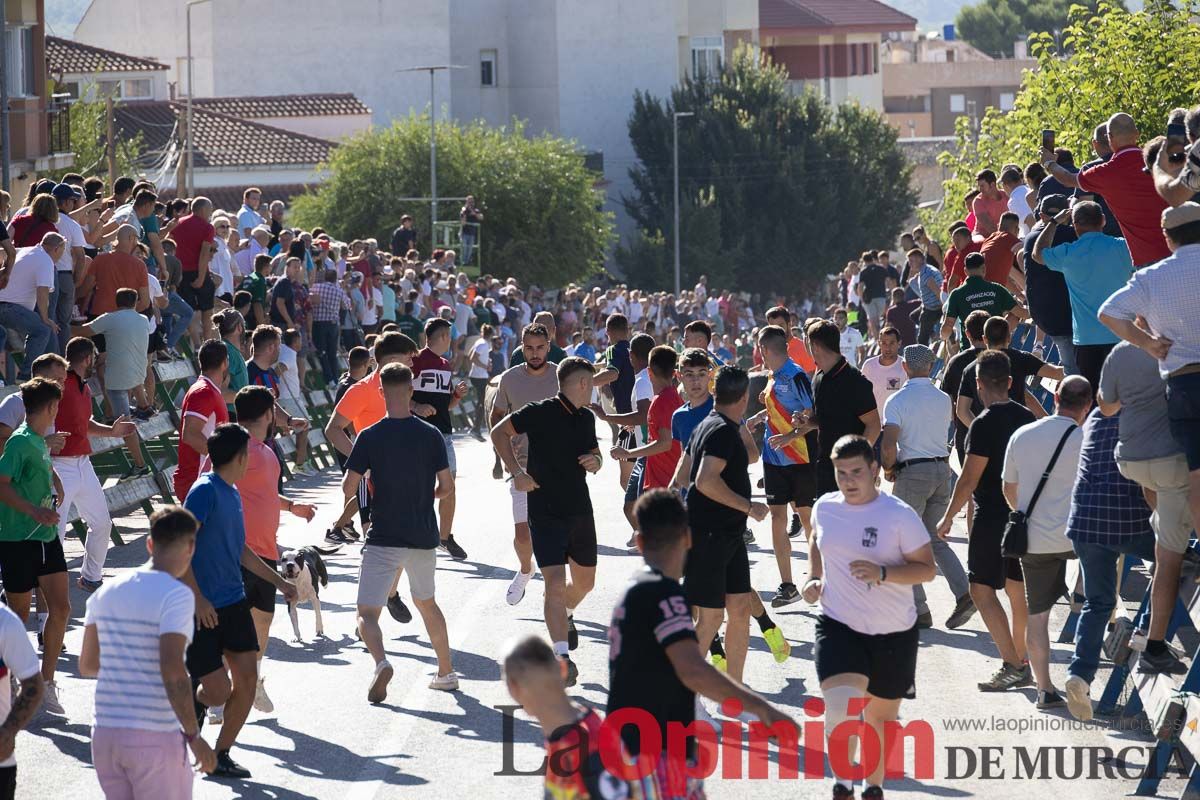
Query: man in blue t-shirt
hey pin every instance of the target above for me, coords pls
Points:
(224, 627)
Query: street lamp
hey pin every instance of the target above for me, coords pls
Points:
(675, 126)
(432, 140)
(186, 191)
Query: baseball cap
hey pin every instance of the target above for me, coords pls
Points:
(44, 186)
(65, 191)
(1053, 203)
(1181, 215)
(260, 229)
(918, 356)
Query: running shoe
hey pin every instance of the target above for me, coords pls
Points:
(228, 768)
(572, 672)
(350, 531)
(478, 435)
(632, 545)
(338, 536)
(1007, 677)
(261, 701)
(572, 634)
(872, 793)
(51, 703)
(924, 621)
(88, 586)
(748, 536)
(840, 792)
(1164, 663)
(445, 683)
(216, 715)
(306, 470)
(379, 682)
(1079, 698)
(516, 589)
(135, 471)
(1050, 699)
(718, 661)
(964, 609)
(785, 595)
(398, 610)
(794, 530)
(449, 546)
(781, 648)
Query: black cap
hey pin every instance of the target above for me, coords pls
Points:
(1052, 204)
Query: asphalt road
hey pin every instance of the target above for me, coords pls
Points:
(325, 741)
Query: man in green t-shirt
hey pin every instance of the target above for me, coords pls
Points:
(256, 284)
(409, 325)
(31, 554)
(232, 327)
(977, 293)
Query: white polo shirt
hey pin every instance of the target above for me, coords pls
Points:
(922, 412)
(1025, 460)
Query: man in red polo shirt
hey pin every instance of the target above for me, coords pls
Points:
(202, 411)
(1127, 188)
(962, 245)
(73, 464)
(195, 243)
(1000, 249)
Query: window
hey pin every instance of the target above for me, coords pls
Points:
(958, 103)
(874, 59)
(853, 59)
(487, 67)
(70, 89)
(708, 53)
(18, 43)
(108, 89)
(138, 89)
(1006, 101)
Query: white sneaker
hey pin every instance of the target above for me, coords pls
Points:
(306, 470)
(216, 715)
(1079, 698)
(261, 701)
(516, 589)
(50, 703)
(379, 682)
(445, 683)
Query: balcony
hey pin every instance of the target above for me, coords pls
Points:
(58, 125)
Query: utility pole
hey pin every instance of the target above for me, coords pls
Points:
(181, 164)
(5, 164)
(111, 140)
(675, 149)
(191, 167)
(432, 70)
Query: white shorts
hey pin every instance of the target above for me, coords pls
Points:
(520, 505)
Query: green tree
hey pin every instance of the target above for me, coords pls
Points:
(543, 220)
(775, 186)
(1144, 63)
(994, 26)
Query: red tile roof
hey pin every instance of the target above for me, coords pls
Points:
(220, 140)
(860, 15)
(285, 105)
(66, 55)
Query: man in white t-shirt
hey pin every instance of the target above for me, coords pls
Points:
(17, 659)
(868, 551)
(1018, 197)
(288, 366)
(885, 371)
(145, 617)
(25, 301)
(70, 262)
(1045, 563)
(850, 341)
(481, 362)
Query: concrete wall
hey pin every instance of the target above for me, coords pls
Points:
(206, 178)
(331, 128)
(159, 90)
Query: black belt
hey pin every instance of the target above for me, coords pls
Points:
(913, 461)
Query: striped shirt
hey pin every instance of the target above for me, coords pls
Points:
(1106, 507)
(130, 613)
(327, 300)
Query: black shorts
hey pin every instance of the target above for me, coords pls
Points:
(889, 660)
(8, 782)
(199, 299)
(986, 564)
(22, 563)
(826, 482)
(556, 539)
(717, 565)
(259, 593)
(794, 483)
(234, 633)
(633, 489)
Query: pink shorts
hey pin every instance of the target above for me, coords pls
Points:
(132, 763)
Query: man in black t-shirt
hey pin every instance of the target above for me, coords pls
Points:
(872, 288)
(1046, 290)
(843, 401)
(717, 581)
(404, 238)
(562, 450)
(952, 377)
(653, 661)
(997, 336)
(987, 569)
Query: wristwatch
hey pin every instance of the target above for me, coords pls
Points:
(882, 573)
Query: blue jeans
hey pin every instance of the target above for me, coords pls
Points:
(39, 337)
(177, 316)
(468, 246)
(62, 307)
(325, 339)
(1183, 411)
(1066, 353)
(1099, 565)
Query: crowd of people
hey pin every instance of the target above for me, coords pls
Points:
(880, 406)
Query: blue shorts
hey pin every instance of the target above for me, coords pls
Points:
(1183, 411)
(633, 489)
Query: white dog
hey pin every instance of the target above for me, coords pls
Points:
(306, 569)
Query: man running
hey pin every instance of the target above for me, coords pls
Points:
(988, 570)
(788, 473)
(264, 354)
(407, 460)
(21, 663)
(562, 450)
(202, 410)
(867, 552)
(526, 383)
(224, 635)
(433, 384)
(633, 424)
